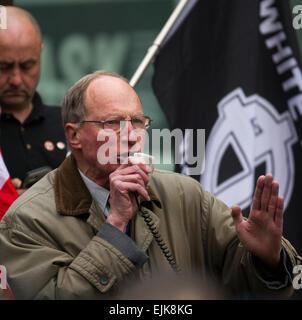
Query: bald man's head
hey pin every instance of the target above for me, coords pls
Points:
(20, 57)
(15, 15)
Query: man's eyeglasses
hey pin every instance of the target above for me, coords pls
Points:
(116, 122)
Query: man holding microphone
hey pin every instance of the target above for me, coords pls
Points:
(88, 226)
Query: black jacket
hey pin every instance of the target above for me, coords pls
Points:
(39, 141)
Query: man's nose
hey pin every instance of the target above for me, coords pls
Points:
(128, 133)
(15, 78)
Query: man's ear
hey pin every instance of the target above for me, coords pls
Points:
(73, 135)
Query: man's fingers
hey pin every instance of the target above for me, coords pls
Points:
(135, 178)
(133, 169)
(132, 161)
(266, 193)
(126, 187)
(273, 199)
(16, 183)
(279, 212)
(236, 215)
(126, 167)
(256, 205)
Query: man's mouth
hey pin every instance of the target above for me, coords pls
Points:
(14, 93)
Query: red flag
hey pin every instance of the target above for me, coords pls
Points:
(8, 193)
(5, 290)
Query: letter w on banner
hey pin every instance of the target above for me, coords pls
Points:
(8, 193)
(231, 67)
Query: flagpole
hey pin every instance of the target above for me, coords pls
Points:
(158, 41)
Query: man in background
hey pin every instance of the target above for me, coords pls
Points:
(31, 133)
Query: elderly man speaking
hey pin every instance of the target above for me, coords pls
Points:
(90, 225)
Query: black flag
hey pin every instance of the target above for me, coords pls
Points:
(232, 68)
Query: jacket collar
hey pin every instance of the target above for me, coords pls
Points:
(71, 194)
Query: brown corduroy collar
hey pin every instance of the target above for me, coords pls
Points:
(71, 194)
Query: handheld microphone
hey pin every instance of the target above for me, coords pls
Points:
(146, 158)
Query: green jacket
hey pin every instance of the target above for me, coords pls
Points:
(51, 250)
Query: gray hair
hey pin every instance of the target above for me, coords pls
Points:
(74, 103)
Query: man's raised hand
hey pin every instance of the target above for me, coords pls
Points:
(261, 233)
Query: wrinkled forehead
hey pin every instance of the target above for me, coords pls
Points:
(20, 53)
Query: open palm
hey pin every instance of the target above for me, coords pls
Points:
(261, 233)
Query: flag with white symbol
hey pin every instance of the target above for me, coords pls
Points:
(232, 68)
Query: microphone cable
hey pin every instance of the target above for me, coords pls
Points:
(161, 243)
